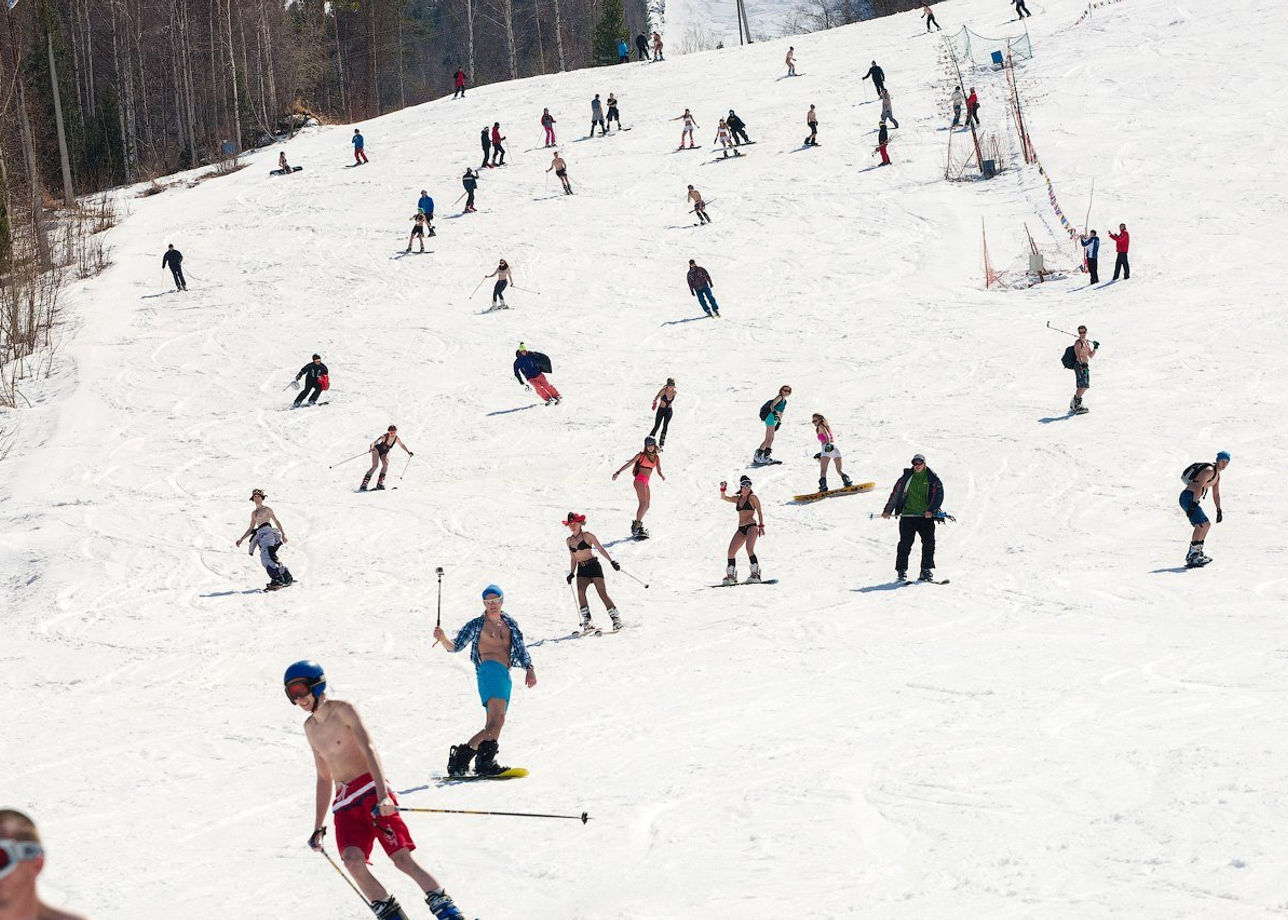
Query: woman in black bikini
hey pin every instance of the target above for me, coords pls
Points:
(666, 396)
(380, 449)
(587, 570)
(751, 525)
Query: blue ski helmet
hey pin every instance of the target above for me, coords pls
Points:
(492, 589)
(1223, 455)
(305, 673)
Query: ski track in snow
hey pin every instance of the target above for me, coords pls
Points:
(1075, 728)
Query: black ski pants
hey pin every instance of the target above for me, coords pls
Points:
(177, 271)
(663, 420)
(1091, 269)
(1120, 265)
(469, 201)
(487, 153)
(909, 528)
(739, 133)
(311, 387)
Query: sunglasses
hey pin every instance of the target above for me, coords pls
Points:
(298, 689)
(13, 852)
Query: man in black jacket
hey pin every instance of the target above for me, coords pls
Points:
(641, 46)
(173, 260)
(916, 498)
(485, 138)
(737, 128)
(312, 373)
(878, 77)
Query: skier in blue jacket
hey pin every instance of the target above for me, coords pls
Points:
(426, 206)
(532, 365)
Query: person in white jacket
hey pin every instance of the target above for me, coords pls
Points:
(958, 100)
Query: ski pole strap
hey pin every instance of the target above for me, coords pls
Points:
(583, 817)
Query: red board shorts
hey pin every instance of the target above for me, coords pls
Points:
(356, 826)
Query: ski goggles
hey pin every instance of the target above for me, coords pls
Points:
(13, 852)
(298, 689)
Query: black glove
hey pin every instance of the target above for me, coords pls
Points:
(411, 453)
(1095, 344)
(315, 839)
(1219, 515)
(569, 578)
(617, 566)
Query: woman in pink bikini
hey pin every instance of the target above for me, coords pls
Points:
(827, 451)
(646, 461)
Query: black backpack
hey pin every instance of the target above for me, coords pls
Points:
(1187, 476)
(543, 362)
(1068, 359)
(764, 410)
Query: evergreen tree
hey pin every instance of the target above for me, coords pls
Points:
(608, 30)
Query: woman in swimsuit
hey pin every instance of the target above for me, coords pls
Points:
(773, 419)
(665, 396)
(751, 526)
(646, 461)
(503, 275)
(587, 570)
(380, 449)
(827, 451)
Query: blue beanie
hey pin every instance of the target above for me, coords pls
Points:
(1223, 455)
(492, 589)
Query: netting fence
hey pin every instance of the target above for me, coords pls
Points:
(988, 52)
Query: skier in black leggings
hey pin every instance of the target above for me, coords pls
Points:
(662, 420)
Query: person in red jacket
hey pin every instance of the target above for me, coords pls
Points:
(972, 107)
(1121, 239)
(460, 84)
(497, 149)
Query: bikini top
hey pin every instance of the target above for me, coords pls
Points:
(642, 462)
(667, 400)
(580, 546)
(746, 507)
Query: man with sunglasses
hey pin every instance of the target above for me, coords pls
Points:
(916, 498)
(22, 858)
(1083, 352)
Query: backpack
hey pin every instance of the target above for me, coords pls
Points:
(543, 363)
(1068, 359)
(1187, 476)
(764, 410)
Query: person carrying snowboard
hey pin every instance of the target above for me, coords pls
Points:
(173, 260)
(1083, 352)
(613, 115)
(699, 206)
(534, 366)
(751, 526)
(737, 128)
(929, 15)
(1121, 242)
(722, 138)
(771, 413)
(1198, 478)
(560, 166)
(583, 544)
(827, 451)
(644, 464)
(916, 499)
(503, 275)
(1091, 254)
(470, 182)
(425, 205)
(496, 645)
(877, 75)
(662, 406)
(883, 140)
(418, 230)
(364, 808)
(791, 61)
(497, 149)
(689, 125)
(359, 151)
(641, 47)
(459, 78)
(548, 123)
(267, 535)
(379, 450)
(700, 287)
(485, 138)
(316, 378)
(811, 119)
(597, 117)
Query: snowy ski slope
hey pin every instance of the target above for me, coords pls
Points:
(1074, 728)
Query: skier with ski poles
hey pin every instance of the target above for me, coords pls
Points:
(1083, 352)
(827, 451)
(268, 536)
(689, 125)
(737, 128)
(22, 859)
(485, 138)
(503, 275)
(583, 545)
(722, 138)
(425, 205)
(771, 413)
(359, 148)
(811, 119)
(916, 499)
(1198, 478)
(548, 123)
(534, 366)
(496, 645)
(613, 115)
(662, 419)
(597, 116)
(316, 379)
(379, 451)
(751, 526)
(470, 182)
(364, 808)
(699, 206)
(643, 463)
(173, 260)
(560, 166)
(699, 281)
(497, 149)
(883, 139)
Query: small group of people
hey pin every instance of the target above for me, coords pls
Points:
(971, 104)
(493, 152)
(1091, 253)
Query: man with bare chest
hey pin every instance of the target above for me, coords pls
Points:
(22, 859)
(267, 534)
(364, 808)
(496, 645)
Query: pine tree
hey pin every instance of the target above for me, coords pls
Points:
(608, 30)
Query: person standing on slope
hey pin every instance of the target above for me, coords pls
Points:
(689, 125)
(1020, 9)
(791, 61)
(173, 260)
(379, 450)
(534, 366)
(267, 535)
(722, 138)
(641, 47)
(623, 51)
(503, 275)
(827, 451)
(359, 148)
(548, 122)
(929, 15)
(1091, 253)
(583, 544)
(751, 526)
(1121, 241)
(425, 205)
(958, 99)
(496, 645)
(1083, 352)
(1198, 478)
(485, 138)
(771, 413)
(699, 206)
(597, 116)
(657, 47)
(497, 149)
(470, 182)
(916, 499)
(364, 808)
(644, 463)
(316, 377)
(22, 859)
(737, 128)
(887, 112)
(811, 119)
(700, 287)
(883, 139)
(972, 108)
(560, 166)
(460, 83)
(613, 115)
(662, 406)
(877, 75)
(418, 230)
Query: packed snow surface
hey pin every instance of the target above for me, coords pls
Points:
(1075, 727)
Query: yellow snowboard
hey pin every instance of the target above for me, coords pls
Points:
(846, 490)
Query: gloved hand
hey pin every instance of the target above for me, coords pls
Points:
(569, 578)
(1219, 515)
(1095, 344)
(411, 453)
(617, 566)
(315, 839)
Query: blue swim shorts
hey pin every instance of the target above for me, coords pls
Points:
(1193, 510)
(494, 681)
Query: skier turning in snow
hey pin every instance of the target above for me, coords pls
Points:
(496, 645)
(613, 115)
(737, 128)
(916, 499)
(359, 148)
(751, 526)
(560, 166)
(662, 419)
(827, 451)
(315, 376)
(534, 366)
(583, 544)
(1083, 352)
(722, 138)
(267, 535)
(791, 61)
(1198, 478)
(503, 275)
(548, 123)
(470, 182)
(689, 125)
(173, 260)
(364, 808)
(23, 860)
(699, 208)
(644, 463)
(771, 413)
(700, 287)
(811, 119)
(380, 449)
(597, 117)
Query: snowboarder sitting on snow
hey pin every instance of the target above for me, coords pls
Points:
(380, 449)
(315, 376)
(267, 535)
(534, 365)
(284, 166)
(916, 499)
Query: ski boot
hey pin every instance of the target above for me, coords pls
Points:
(558, 400)
(822, 483)
(900, 575)
(765, 454)
(586, 625)
(442, 906)
(408, 249)
(287, 577)
(380, 487)
(846, 481)
(926, 575)
(754, 577)
(458, 760)
(616, 618)
(759, 456)
(731, 575)
(485, 763)
(388, 909)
